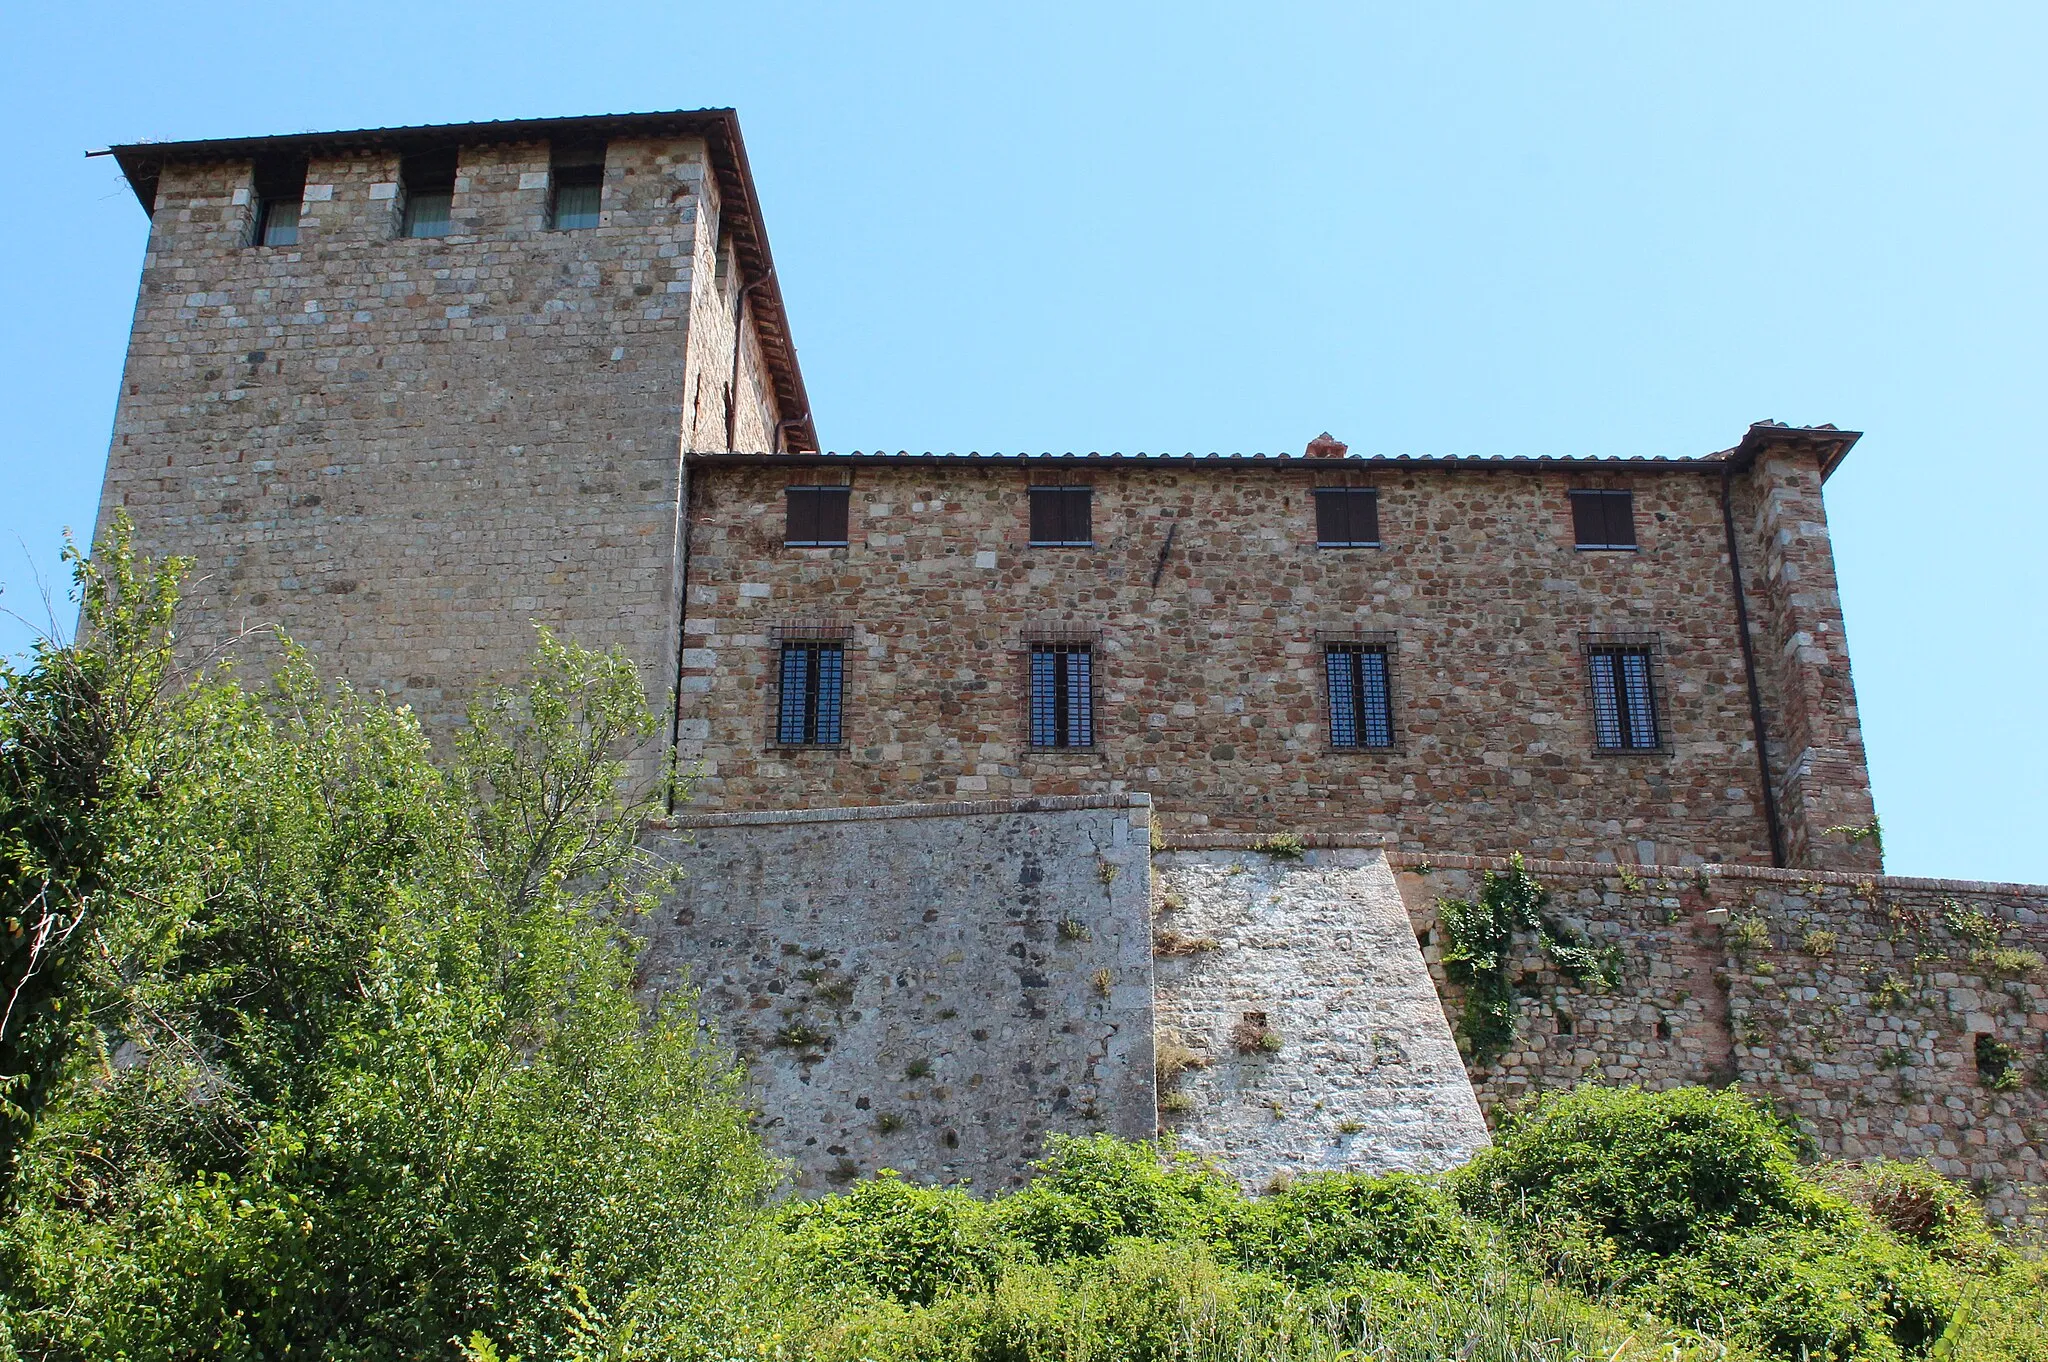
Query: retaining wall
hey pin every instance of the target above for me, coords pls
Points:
(930, 988)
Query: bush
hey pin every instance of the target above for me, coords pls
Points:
(1918, 1204)
(1808, 1294)
(1091, 1192)
(904, 1242)
(1650, 1173)
(1323, 1226)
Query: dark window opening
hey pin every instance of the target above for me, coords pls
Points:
(1347, 517)
(280, 187)
(577, 177)
(813, 685)
(1062, 515)
(1422, 938)
(1604, 520)
(816, 516)
(1624, 698)
(1361, 705)
(1062, 695)
(1564, 1024)
(428, 183)
(1663, 1030)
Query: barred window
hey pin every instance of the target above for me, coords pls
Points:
(816, 516)
(1361, 702)
(1624, 697)
(1347, 517)
(1062, 695)
(1062, 515)
(1604, 520)
(813, 684)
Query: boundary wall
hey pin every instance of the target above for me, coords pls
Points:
(932, 988)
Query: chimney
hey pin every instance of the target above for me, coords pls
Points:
(1326, 446)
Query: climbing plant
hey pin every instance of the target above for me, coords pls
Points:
(1480, 952)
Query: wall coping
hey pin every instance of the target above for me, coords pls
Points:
(865, 812)
(1412, 861)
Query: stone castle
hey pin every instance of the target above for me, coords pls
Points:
(983, 744)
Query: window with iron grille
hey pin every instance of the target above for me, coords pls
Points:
(816, 516)
(428, 180)
(1347, 517)
(1604, 520)
(813, 687)
(1062, 515)
(1623, 676)
(1361, 695)
(1062, 695)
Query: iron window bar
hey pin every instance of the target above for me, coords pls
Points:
(809, 708)
(1622, 672)
(1062, 694)
(1358, 680)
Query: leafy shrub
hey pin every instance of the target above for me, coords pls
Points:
(1090, 1192)
(1808, 1294)
(1321, 1227)
(904, 1241)
(1917, 1204)
(1654, 1173)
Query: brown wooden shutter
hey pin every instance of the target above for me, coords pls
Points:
(1621, 519)
(1080, 527)
(1365, 516)
(1589, 518)
(831, 514)
(802, 527)
(1045, 515)
(1330, 518)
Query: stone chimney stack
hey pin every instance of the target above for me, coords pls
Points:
(1326, 446)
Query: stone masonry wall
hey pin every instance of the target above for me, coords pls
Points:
(1299, 1029)
(932, 989)
(1855, 1003)
(407, 452)
(1209, 681)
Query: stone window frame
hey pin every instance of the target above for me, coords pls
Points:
(1058, 635)
(828, 630)
(1389, 639)
(1650, 642)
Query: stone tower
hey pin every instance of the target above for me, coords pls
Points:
(405, 393)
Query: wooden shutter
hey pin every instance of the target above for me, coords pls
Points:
(1621, 519)
(802, 525)
(1045, 515)
(831, 514)
(1589, 519)
(1079, 520)
(1365, 515)
(1347, 515)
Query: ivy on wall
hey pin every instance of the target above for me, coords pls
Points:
(1479, 953)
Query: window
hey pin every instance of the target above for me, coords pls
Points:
(1604, 520)
(1361, 702)
(813, 685)
(578, 179)
(280, 191)
(1062, 695)
(429, 182)
(1623, 676)
(816, 516)
(1347, 517)
(1062, 515)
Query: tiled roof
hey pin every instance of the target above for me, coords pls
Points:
(1829, 441)
(142, 162)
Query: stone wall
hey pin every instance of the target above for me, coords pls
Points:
(406, 453)
(1206, 592)
(1855, 1003)
(1299, 1029)
(927, 988)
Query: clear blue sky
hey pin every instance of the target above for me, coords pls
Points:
(1449, 228)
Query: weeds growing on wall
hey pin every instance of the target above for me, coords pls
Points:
(1479, 953)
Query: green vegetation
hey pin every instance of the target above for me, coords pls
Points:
(318, 1049)
(1479, 954)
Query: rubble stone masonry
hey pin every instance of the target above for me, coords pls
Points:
(407, 453)
(1206, 598)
